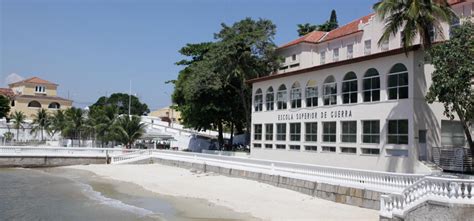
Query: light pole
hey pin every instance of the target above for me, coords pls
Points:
(171, 109)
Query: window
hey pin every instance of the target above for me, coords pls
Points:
(323, 57)
(452, 134)
(54, 105)
(398, 82)
(350, 150)
(258, 101)
(349, 88)
(371, 85)
(311, 131)
(349, 131)
(281, 132)
(397, 132)
(281, 146)
(268, 131)
(295, 131)
(34, 104)
(295, 95)
(257, 133)
(311, 148)
(329, 131)
(384, 45)
(455, 23)
(269, 99)
(367, 47)
(311, 94)
(370, 151)
(370, 131)
(268, 146)
(12, 103)
(396, 153)
(293, 57)
(335, 54)
(281, 97)
(257, 145)
(40, 89)
(432, 33)
(295, 147)
(330, 91)
(328, 149)
(350, 51)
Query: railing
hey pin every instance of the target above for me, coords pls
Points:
(137, 155)
(61, 151)
(453, 159)
(429, 188)
(373, 180)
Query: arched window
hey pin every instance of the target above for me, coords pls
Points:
(282, 97)
(311, 94)
(349, 88)
(258, 100)
(397, 84)
(269, 99)
(295, 95)
(330, 91)
(54, 105)
(34, 104)
(371, 85)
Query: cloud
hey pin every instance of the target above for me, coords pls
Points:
(12, 78)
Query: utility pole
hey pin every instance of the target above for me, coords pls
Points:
(130, 99)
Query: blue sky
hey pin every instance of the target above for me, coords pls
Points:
(95, 47)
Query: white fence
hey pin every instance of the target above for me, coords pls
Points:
(62, 151)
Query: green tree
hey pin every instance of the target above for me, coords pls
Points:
(101, 120)
(41, 122)
(57, 123)
(453, 77)
(412, 17)
(330, 24)
(121, 102)
(75, 123)
(128, 129)
(304, 29)
(18, 119)
(4, 106)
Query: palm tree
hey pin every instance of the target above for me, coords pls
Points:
(18, 118)
(306, 28)
(128, 129)
(413, 17)
(101, 120)
(41, 122)
(57, 123)
(75, 123)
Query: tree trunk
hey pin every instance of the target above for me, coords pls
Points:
(231, 136)
(17, 133)
(467, 131)
(246, 112)
(42, 138)
(220, 138)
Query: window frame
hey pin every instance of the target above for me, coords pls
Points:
(330, 91)
(350, 53)
(398, 133)
(311, 135)
(335, 54)
(282, 98)
(258, 100)
(327, 133)
(270, 99)
(281, 135)
(295, 131)
(348, 136)
(371, 91)
(257, 131)
(268, 136)
(374, 133)
(398, 87)
(347, 90)
(295, 96)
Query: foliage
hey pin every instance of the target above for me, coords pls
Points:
(453, 76)
(412, 17)
(57, 122)
(120, 101)
(128, 129)
(211, 91)
(75, 123)
(18, 119)
(41, 122)
(327, 26)
(8, 136)
(4, 106)
(101, 120)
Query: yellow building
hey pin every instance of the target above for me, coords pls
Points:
(34, 93)
(167, 114)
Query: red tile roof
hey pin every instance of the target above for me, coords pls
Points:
(348, 29)
(453, 2)
(7, 92)
(42, 97)
(312, 37)
(34, 80)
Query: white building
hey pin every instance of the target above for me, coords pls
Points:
(341, 100)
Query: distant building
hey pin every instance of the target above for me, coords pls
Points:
(167, 114)
(32, 94)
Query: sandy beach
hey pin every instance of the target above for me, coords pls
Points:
(260, 200)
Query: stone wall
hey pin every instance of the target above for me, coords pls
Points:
(35, 161)
(340, 194)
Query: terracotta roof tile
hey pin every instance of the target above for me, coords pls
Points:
(42, 97)
(34, 80)
(7, 92)
(348, 29)
(312, 37)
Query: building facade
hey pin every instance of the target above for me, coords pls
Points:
(34, 93)
(339, 99)
(167, 114)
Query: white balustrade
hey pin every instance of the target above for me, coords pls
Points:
(61, 151)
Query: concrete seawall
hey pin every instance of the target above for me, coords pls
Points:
(340, 194)
(47, 161)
